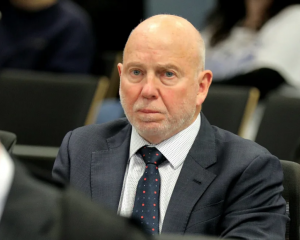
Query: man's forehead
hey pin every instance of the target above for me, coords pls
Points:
(165, 31)
(158, 37)
(160, 25)
(169, 26)
(164, 43)
(161, 20)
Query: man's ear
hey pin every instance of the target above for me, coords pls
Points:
(120, 68)
(204, 80)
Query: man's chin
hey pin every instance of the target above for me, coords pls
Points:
(149, 127)
(149, 119)
(153, 135)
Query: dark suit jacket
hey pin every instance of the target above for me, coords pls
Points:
(228, 186)
(37, 209)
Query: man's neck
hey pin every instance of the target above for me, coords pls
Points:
(32, 5)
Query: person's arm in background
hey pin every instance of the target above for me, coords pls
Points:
(277, 58)
(73, 47)
(265, 79)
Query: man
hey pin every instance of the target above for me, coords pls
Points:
(213, 181)
(35, 208)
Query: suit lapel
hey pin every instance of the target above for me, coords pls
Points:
(193, 180)
(108, 168)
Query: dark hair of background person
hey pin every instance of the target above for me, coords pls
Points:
(228, 13)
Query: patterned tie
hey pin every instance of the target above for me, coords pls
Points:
(146, 204)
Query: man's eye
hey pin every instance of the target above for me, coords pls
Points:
(136, 72)
(169, 74)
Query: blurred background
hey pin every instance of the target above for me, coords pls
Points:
(113, 20)
(58, 67)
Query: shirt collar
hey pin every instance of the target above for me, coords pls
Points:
(175, 149)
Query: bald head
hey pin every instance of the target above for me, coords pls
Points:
(170, 30)
(162, 78)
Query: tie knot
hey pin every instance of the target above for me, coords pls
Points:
(151, 155)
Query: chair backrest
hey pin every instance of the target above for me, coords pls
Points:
(114, 78)
(296, 155)
(291, 194)
(40, 108)
(279, 129)
(8, 140)
(230, 107)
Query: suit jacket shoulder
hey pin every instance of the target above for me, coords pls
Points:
(228, 186)
(98, 135)
(89, 154)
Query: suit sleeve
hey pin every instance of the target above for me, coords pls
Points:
(61, 167)
(255, 208)
(82, 219)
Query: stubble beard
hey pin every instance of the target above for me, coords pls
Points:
(164, 129)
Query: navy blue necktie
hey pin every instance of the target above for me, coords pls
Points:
(146, 204)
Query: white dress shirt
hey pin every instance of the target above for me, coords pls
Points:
(6, 176)
(175, 149)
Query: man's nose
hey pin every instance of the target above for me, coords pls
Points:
(150, 87)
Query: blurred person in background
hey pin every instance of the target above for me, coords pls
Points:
(45, 35)
(254, 43)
